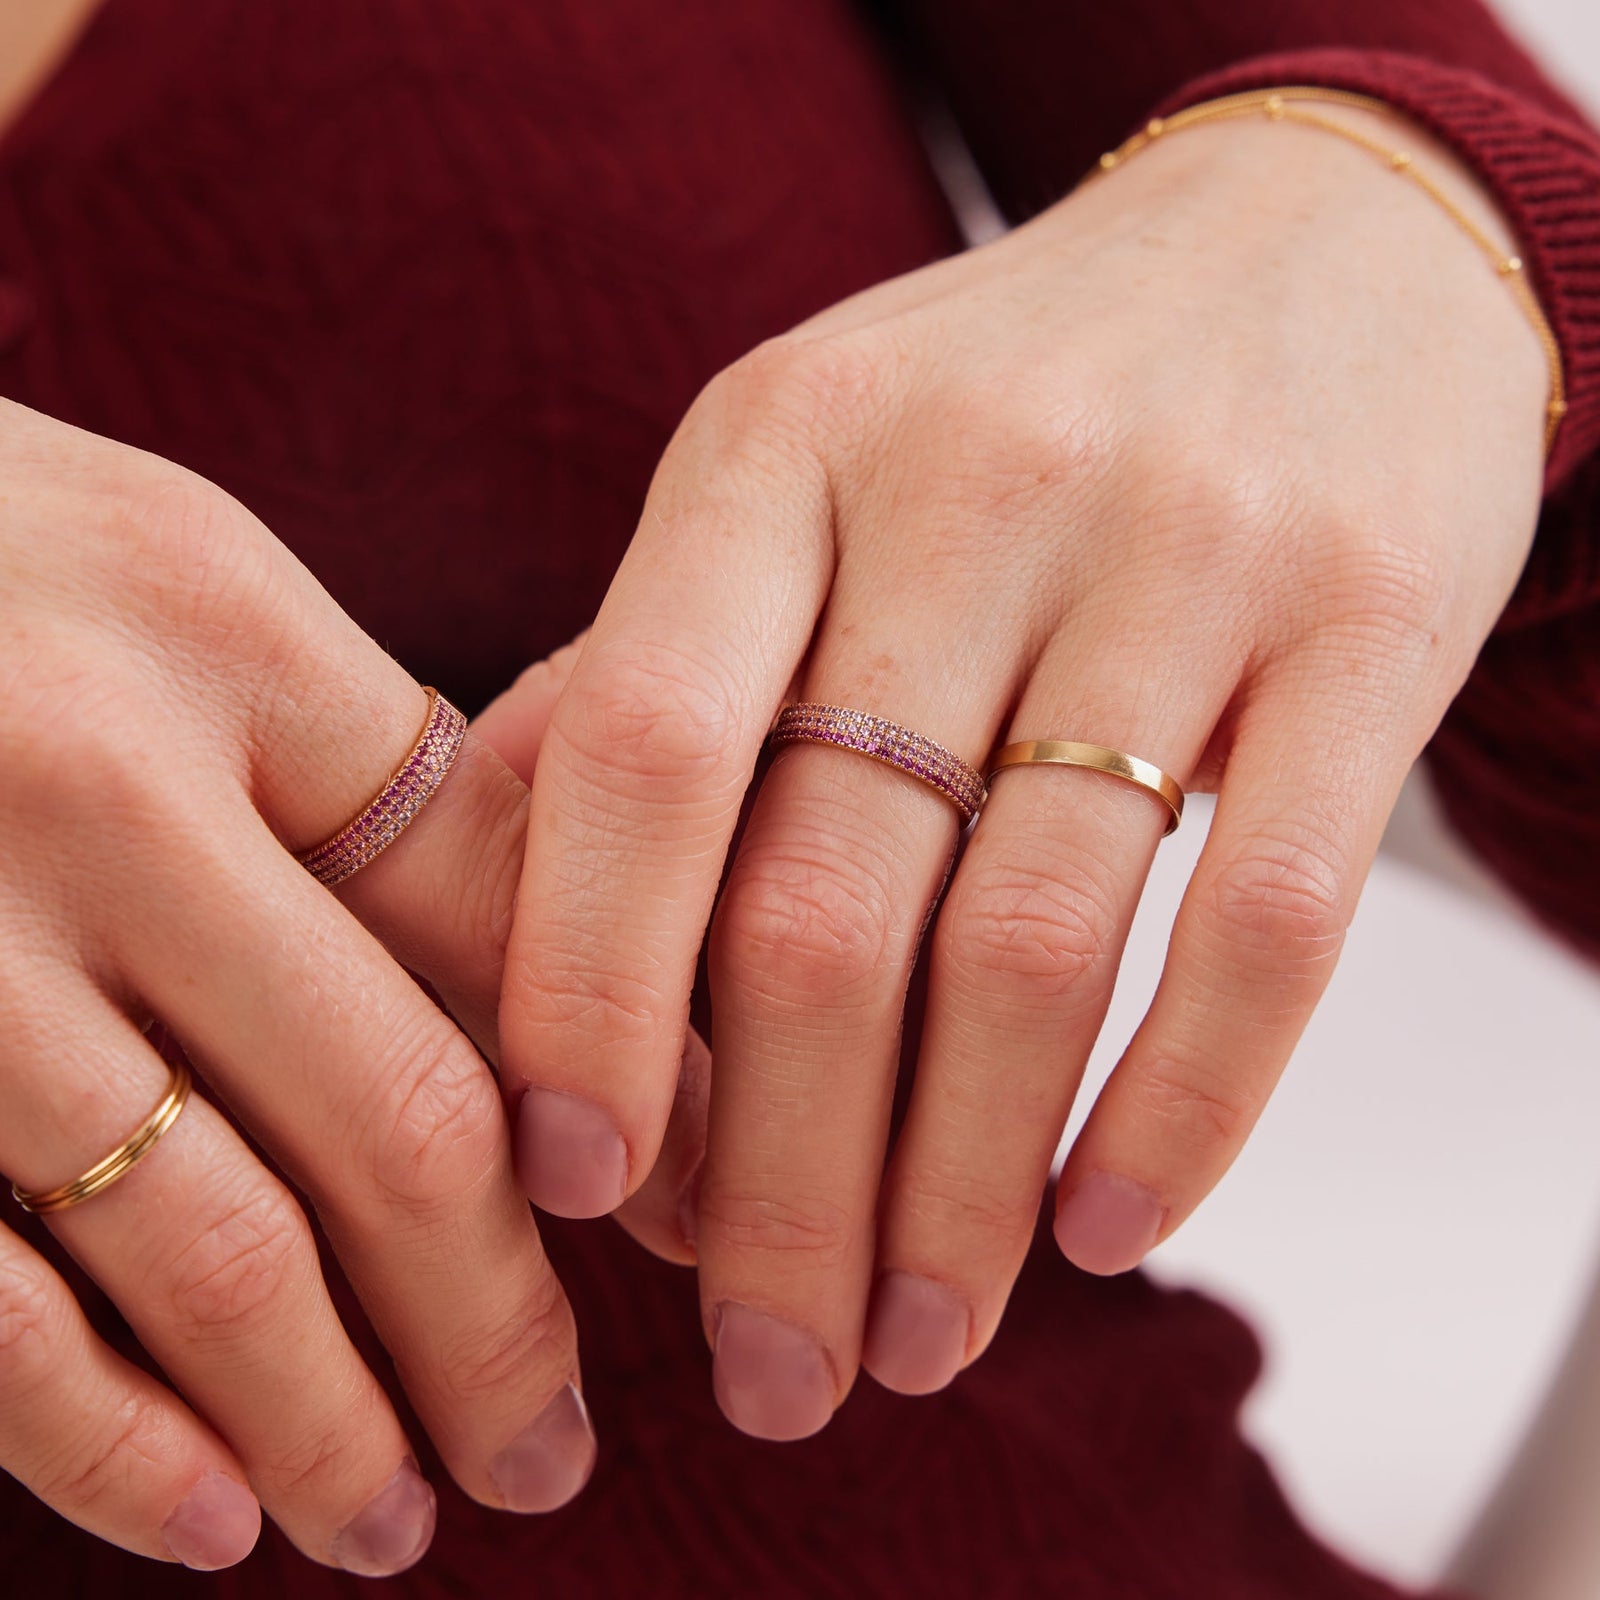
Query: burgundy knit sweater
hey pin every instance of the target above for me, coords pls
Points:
(427, 284)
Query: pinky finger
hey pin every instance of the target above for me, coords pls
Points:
(102, 1442)
(1261, 926)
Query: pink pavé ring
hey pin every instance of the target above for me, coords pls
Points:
(375, 827)
(912, 753)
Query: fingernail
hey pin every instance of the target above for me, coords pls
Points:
(550, 1460)
(570, 1157)
(916, 1334)
(216, 1525)
(772, 1379)
(392, 1530)
(1108, 1223)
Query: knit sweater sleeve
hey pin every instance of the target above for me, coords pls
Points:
(1041, 87)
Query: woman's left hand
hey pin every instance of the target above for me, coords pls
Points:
(1230, 461)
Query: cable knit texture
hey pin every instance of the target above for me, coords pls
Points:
(427, 284)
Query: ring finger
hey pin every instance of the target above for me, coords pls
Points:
(1024, 958)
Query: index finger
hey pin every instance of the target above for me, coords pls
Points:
(637, 792)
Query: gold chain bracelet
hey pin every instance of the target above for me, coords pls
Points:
(1283, 105)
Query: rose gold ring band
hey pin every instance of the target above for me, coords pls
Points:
(409, 788)
(912, 753)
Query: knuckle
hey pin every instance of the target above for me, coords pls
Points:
(30, 1322)
(603, 1001)
(642, 716)
(190, 530)
(1284, 897)
(224, 1278)
(488, 1360)
(1374, 582)
(438, 1129)
(324, 1458)
(1030, 935)
(790, 386)
(788, 1224)
(951, 1202)
(800, 920)
(107, 1464)
(209, 579)
(1194, 1109)
(75, 740)
(1015, 443)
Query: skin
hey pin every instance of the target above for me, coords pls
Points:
(179, 702)
(1230, 460)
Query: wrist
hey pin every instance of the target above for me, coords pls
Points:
(1378, 202)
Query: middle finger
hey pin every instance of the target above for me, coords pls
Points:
(812, 948)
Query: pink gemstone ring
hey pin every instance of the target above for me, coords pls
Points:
(377, 826)
(885, 741)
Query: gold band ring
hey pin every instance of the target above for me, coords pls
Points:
(123, 1159)
(1066, 753)
(885, 741)
(409, 788)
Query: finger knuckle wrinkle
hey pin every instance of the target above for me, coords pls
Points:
(225, 1276)
(326, 1456)
(786, 1225)
(84, 751)
(1378, 582)
(656, 718)
(803, 924)
(1288, 900)
(791, 385)
(29, 1321)
(953, 1203)
(603, 1002)
(106, 1465)
(216, 576)
(490, 1360)
(1035, 935)
(440, 1129)
(1197, 1111)
(1016, 444)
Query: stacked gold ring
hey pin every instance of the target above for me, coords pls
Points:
(128, 1154)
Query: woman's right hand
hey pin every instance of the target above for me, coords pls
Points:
(181, 706)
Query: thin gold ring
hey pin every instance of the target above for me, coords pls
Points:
(122, 1160)
(1119, 764)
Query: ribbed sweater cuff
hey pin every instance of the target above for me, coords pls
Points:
(1545, 174)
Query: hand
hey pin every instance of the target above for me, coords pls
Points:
(1229, 461)
(179, 702)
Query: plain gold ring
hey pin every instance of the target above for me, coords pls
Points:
(1118, 763)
